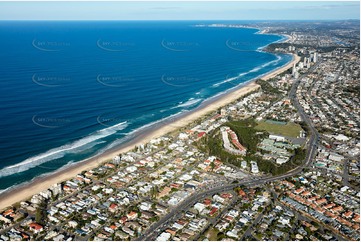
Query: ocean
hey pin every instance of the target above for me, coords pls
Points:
(70, 90)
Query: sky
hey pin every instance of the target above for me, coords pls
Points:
(241, 10)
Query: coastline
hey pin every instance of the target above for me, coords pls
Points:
(25, 191)
(39, 184)
(295, 59)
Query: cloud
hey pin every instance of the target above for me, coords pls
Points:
(332, 6)
(277, 6)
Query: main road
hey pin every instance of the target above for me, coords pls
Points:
(152, 232)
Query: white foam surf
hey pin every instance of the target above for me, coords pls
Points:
(257, 68)
(230, 79)
(130, 135)
(188, 103)
(61, 151)
(71, 162)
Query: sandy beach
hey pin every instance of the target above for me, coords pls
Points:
(39, 184)
(272, 74)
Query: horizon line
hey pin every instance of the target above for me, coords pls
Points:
(351, 19)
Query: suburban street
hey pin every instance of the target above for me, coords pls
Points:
(153, 230)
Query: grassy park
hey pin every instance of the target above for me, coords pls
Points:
(288, 129)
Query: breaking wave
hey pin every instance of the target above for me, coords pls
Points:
(59, 152)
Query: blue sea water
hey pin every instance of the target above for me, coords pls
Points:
(69, 90)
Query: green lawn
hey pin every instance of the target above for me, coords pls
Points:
(289, 129)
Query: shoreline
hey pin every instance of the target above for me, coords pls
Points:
(295, 59)
(26, 190)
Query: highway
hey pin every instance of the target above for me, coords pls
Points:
(152, 232)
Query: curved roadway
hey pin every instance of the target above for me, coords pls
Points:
(153, 230)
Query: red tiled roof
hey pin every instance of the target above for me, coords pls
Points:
(321, 201)
(356, 226)
(226, 195)
(201, 134)
(344, 221)
(113, 206)
(331, 215)
(308, 203)
(241, 193)
(306, 193)
(337, 209)
(132, 214)
(213, 211)
(207, 201)
(314, 206)
(175, 185)
(35, 226)
(235, 141)
(228, 218)
(8, 212)
(299, 190)
(66, 187)
(330, 205)
(321, 210)
(181, 222)
(25, 236)
(347, 214)
(123, 219)
(172, 232)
